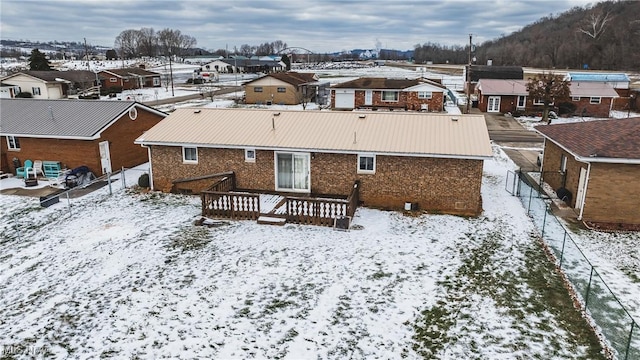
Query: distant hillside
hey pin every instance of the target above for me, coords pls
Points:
(605, 36)
(602, 36)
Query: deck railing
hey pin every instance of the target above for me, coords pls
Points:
(315, 211)
(237, 206)
(354, 198)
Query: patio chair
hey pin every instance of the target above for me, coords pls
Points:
(22, 171)
(37, 167)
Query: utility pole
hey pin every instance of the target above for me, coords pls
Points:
(171, 74)
(86, 53)
(469, 75)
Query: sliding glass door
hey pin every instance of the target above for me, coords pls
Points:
(292, 172)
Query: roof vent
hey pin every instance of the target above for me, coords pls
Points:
(455, 118)
(362, 116)
(197, 111)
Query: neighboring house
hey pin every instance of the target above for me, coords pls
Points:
(478, 72)
(9, 91)
(502, 96)
(129, 78)
(98, 134)
(391, 94)
(286, 88)
(431, 160)
(598, 163)
(619, 81)
(52, 84)
(245, 65)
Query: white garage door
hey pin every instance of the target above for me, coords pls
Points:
(345, 99)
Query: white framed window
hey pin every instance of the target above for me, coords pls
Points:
(522, 102)
(594, 100)
(257, 89)
(282, 90)
(425, 94)
(156, 81)
(35, 90)
(190, 155)
(390, 96)
(13, 143)
(366, 164)
(113, 80)
(575, 98)
(250, 155)
(538, 102)
(563, 163)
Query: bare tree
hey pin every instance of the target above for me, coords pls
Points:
(127, 43)
(596, 24)
(147, 42)
(173, 42)
(548, 88)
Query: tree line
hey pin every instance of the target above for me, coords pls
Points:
(133, 43)
(602, 36)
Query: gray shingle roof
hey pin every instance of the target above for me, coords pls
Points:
(76, 119)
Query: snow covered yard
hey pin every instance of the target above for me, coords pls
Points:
(130, 276)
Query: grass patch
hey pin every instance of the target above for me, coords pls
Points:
(190, 238)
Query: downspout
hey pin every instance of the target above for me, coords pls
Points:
(584, 193)
(611, 105)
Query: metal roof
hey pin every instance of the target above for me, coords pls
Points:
(598, 140)
(393, 133)
(615, 77)
(71, 119)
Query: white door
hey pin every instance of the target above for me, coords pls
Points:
(292, 172)
(494, 104)
(581, 185)
(345, 99)
(368, 97)
(105, 157)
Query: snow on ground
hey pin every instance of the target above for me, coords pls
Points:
(130, 276)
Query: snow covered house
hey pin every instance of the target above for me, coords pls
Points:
(432, 161)
(388, 94)
(595, 166)
(98, 134)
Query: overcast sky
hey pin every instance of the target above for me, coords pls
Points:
(317, 25)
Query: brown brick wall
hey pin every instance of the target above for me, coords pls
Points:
(551, 170)
(584, 108)
(74, 153)
(406, 101)
(613, 194)
(446, 185)
(290, 97)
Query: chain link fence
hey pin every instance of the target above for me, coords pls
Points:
(614, 322)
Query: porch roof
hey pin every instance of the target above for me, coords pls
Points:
(402, 134)
(502, 87)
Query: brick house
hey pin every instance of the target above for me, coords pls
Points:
(129, 78)
(431, 160)
(478, 72)
(502, 96)
(98, 134)
(391, 94)
(52, 84)
(286, 88)
(598, 163)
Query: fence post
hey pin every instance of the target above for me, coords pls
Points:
(564, 239)
(124, 179)
(530, 196)
(109, 182)
(544, 219)
(626, 355)
(69, 202)
(586, 298)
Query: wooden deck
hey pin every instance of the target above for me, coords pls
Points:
(221, 201)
